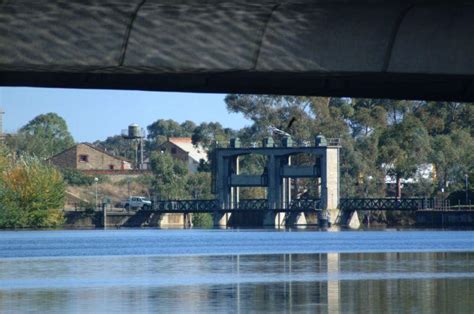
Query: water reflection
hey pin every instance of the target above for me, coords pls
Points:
(293, 283)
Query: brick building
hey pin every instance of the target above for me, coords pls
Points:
(85, 157)
(183, 149)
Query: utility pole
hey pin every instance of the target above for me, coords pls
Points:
(466, 177)
(96, 180)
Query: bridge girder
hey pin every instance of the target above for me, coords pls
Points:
(366, 48)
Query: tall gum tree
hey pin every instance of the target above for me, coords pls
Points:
(403, 147)
(43, 137)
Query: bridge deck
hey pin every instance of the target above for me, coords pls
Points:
(256, 205)
(300, 205)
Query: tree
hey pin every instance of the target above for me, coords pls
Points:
(288, 113)
(160, 130)
(118, 146)
(170, 177)
(208, 133)
(198, 185)
(31, 195)
(402, 148)
(43, 137)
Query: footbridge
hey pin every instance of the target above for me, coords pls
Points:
(287, 214)
(295, 206)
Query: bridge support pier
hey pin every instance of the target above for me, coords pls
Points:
(272, 219)
(333, 215)
(349, 219)
(221, 219)
(171, 220)
(296, 219)
(187, 220)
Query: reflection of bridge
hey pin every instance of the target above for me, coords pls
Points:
(295, 206)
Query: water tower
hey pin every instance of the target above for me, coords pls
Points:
(136, 135)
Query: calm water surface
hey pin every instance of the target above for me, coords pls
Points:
(184, 271)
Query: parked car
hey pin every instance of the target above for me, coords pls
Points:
(136, 202)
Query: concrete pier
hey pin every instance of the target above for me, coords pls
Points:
(116, 219)
(272, 219)
(221, 219)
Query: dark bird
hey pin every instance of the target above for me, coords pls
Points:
(291, 123)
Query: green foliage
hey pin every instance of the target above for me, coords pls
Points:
(402, 135)
(198, 185)
(144, 180)
(78, 178)
(170, 177)
(202, 220)
(173, 181)
(43, 137)
(74, 177)
(403, 147)
(118, 146)
(160, 130)
(208, 133)
(31, 195)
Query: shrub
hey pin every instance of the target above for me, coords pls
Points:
(74, 177)
(31, 195)
(202, 220)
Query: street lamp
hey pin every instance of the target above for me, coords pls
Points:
(96, 180)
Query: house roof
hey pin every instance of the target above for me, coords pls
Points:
(93, 147)
(105, 152)
(196, 152)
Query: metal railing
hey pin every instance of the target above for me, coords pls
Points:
(186, 206)
(384, 204)
(252, 204)
(305, 204)
(177, 206)
(301, 205)
(334, 141)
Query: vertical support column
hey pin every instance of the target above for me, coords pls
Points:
(223, 190)
(330, 182)
(274, 195)
(219, 170)
(286, 186)
(234, 190)
(285, 195)
(271, 191)
(269, 216)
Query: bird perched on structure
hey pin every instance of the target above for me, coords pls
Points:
(273, 130)
(291, 123)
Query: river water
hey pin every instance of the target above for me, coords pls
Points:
(236, 271)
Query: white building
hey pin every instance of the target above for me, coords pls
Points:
(183, 149)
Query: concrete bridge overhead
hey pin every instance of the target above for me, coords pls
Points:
(364, 48)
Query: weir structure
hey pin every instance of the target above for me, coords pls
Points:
(279, 207)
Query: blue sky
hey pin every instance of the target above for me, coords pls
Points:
(96, 114)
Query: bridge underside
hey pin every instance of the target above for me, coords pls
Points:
(385, 48)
